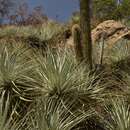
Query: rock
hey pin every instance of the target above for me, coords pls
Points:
(114, 31)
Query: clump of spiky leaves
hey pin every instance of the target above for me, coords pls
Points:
(62, 81)
(119, 115)
(65, 85)
(114, 54)
(48, 30)
(62, 119)
(119, 51)
(118, 57)
(15, 66)
(4, 121)
(7, 123)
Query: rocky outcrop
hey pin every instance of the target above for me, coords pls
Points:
(113, 32)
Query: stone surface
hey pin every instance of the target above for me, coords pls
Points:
(113, 32)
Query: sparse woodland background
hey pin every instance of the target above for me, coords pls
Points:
(52, 75)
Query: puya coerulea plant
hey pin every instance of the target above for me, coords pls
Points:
(15, 66)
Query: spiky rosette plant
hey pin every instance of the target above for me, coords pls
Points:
(118, 58)
(119, 54)
(62, 82)
(7, 123)
(118, 115)
(14, 68)
(62, 119)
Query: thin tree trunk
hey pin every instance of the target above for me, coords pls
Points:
(86, 31)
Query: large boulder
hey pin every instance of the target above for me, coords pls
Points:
(113, 31)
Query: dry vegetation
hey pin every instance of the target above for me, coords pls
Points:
(44, 87)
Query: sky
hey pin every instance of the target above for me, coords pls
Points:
(56, 9)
